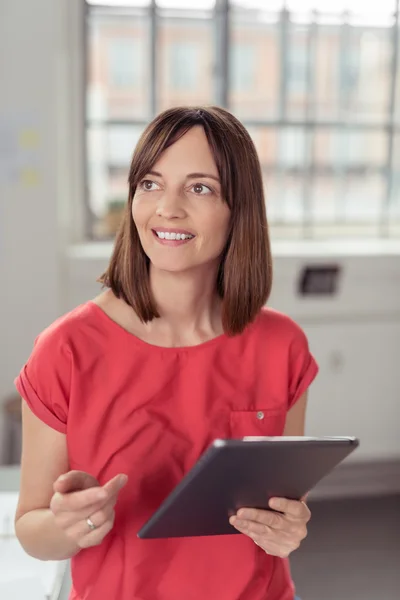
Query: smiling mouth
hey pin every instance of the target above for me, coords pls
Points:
(173, 238)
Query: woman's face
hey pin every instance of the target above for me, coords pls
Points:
(178, 208)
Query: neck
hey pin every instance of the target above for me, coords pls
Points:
(187, 302)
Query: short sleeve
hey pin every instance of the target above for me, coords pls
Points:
(302, 369)
(44, 381)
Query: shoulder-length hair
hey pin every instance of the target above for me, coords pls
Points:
(245, 272)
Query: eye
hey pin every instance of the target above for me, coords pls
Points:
(201, 190)
(148, 186)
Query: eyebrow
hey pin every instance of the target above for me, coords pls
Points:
(190, 176)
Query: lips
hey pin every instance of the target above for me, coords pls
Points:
(172, 237)
(169, 230)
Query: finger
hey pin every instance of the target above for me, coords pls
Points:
(76, 501)
(82, 500)
(115, 484)
(265, 517)
(74, 481)
(266, 534)
(251, 528)
(86, 538)
(96, 537)
(68, 519)
(295, 509)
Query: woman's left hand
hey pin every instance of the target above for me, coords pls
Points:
(277, 533)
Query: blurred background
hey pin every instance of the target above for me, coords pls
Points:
(317, 84)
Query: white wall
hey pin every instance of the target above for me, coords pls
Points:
(37, 43)
(355, 336)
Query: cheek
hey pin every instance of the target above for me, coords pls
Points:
(216, 229)
(139, 213)
(134, 211)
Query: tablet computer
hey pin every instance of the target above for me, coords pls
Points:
(239, 473)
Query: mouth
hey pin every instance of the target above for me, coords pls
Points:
(172, 237)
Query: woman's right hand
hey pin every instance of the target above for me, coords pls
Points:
(80, 501)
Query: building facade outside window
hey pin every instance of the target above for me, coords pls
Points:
(316, 84)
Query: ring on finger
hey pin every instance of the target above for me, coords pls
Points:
(90, 524)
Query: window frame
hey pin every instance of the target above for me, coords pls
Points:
(283, 121)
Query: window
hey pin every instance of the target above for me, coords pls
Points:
(243, 65)
(349, 68)
(125, 62)
(297, 67)
(184, 66)
(314, 81)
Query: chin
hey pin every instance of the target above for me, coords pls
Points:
(172, 267)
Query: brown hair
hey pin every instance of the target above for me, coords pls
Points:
(245, 273)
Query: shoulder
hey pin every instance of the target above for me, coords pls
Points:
(58, 337)
(282, 329)
(284, 346)
(45, 380)
(50, 362)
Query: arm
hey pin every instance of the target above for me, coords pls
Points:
(44, 459)
(296, 416)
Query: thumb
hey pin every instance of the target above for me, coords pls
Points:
(74, 481)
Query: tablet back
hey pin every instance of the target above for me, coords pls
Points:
(243, 473)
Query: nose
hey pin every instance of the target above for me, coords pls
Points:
(170, 206)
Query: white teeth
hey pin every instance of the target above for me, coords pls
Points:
(167, 235)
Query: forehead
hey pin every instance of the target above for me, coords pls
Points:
(190, 153)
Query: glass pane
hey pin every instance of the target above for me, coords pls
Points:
(394, 207)
(365, 74)
(364, 198)
(266, 142)
(291, 197)
(271, 5)
(119, 3)
(271, 187)
(292, 146)
(348, 60)
(254, 76)
(327, 66)
(118, 74)
(350, 165)
(397, 89)
(185, 62)
(324, 198)
(192, 5)
(383, 7)
(350, 149)
(109, 154)
(298, 75)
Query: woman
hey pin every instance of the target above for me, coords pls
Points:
(123, 394)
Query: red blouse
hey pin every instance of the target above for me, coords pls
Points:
(150, 412)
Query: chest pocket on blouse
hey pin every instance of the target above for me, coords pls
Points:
(267, 422)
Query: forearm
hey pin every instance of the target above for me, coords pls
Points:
(41, 538)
